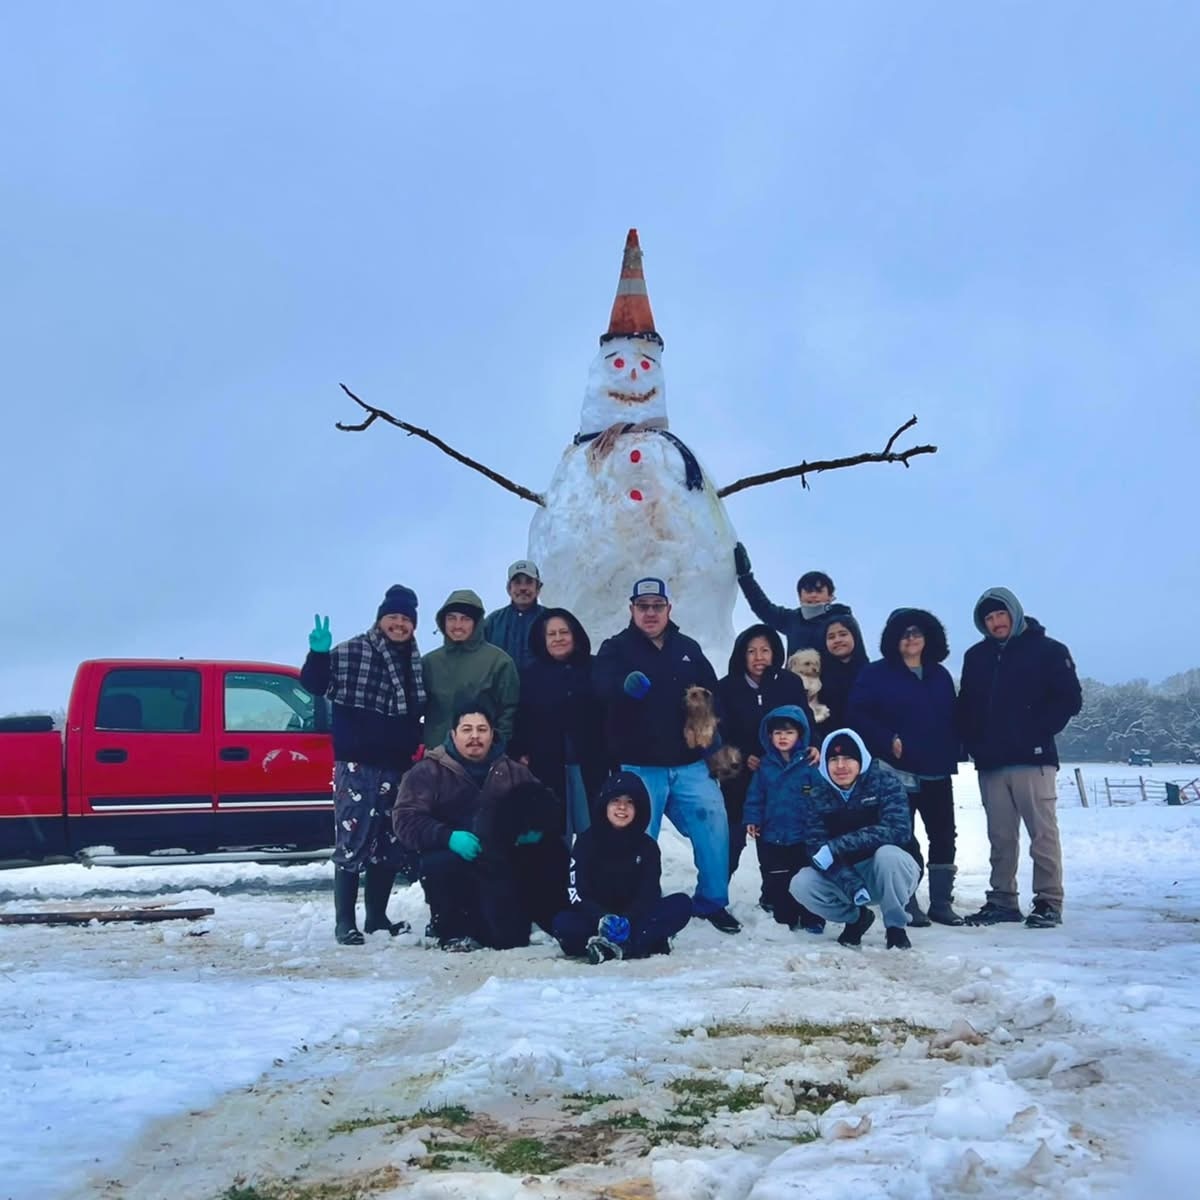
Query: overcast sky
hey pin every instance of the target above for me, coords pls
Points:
(212, 214)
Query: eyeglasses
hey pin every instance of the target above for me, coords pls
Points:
(913, 632)
(656, 606)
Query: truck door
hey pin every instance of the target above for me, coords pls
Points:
(274, 771)
(147, 764)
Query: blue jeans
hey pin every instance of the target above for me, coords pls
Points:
(691, 799)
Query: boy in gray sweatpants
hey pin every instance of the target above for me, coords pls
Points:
(858, 831)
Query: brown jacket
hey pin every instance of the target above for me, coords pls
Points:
(437, 796)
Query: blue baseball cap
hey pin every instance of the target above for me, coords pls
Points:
(649, 587)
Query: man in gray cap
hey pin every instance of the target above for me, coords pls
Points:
(1018, 689)
(508, 627)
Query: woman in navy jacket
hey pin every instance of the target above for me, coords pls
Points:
(903, 706)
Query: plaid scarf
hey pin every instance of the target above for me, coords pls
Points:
(365, 672)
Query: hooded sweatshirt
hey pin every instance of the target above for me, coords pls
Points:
(1015, 694)
(617, 870)
(857, 821)
(890, 700)
(743, 705)
(838, 676)
(778, 799)
(474, 668)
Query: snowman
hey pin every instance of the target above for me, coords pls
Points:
(629, 498)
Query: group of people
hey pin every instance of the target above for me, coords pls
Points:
(523, 781)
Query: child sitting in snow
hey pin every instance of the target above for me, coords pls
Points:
(617, 906)
(777, 814)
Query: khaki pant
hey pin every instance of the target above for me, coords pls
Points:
(1012, 795)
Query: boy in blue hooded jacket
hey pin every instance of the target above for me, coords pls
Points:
(858, 833)
(776, 812)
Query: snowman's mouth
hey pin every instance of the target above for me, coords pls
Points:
(634, 397)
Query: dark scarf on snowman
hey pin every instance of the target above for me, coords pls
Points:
(603, 443)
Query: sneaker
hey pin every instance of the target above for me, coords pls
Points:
(600, 949)
(897, 939)
(723, 920)
(349, 937)
(459, 945)
(993, 914)
(852, 934)
(1044, 915)
(813, 925)
(766, 906)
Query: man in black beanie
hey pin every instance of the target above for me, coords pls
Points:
(376, 685)
(1018, 689)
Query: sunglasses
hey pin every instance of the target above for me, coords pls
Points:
(912, 632)
(657, 607)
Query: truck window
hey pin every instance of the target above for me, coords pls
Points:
(149, 700)
(262, 702)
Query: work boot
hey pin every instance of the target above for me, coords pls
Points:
(941, 894)
(376, 893)
(993, 914)
(852, 934)
(345, 897)
(1044, 915)
(916, 914)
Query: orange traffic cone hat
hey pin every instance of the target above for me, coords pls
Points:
(631, 315)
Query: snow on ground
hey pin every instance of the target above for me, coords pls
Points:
(149, 1060)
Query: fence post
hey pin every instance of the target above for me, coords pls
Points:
(1142, 785)
(1108, 791)
(1082, 789)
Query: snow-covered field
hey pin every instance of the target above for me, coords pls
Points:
(144, 1061)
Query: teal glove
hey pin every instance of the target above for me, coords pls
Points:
(529, 839)
(466, 845)
(320, 639)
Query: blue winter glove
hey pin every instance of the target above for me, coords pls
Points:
(823, 858)
(320, 639)
(614, 928)
(862, 897)
(466, 845)
(636, 685)
(531, 838)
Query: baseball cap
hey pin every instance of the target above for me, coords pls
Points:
(524, 566)
(649, 587)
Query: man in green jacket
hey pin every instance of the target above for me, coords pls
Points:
(466, 665)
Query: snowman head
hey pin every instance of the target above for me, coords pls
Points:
(625, 384)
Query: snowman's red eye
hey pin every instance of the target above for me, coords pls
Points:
(619, 363)
(645, 365)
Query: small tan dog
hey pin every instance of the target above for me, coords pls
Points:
(700, 731)
(807, 664)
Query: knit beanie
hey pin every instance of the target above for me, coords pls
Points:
(844, 747)
(990, 605)
(401, 601)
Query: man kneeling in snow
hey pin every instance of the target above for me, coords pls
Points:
(858, 829)
(617, 906)
(482, 836)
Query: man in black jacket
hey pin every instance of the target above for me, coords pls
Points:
(1018, 689)
(642, 675)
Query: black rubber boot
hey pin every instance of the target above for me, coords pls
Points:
(345, 898)
(941, 894)
(916, 914)
(376, 893)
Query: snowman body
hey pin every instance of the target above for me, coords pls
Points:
(610, 520)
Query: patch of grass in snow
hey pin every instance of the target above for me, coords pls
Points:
(702, 1098)
(526, 1156)
(810, 1031)
(581, 1102)
(357, 1187)
(448, 1114)
(366, 1122)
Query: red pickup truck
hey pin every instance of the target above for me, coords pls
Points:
(160, 756)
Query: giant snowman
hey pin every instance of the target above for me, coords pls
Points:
(629, 499)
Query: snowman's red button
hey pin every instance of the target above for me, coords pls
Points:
(635, 456)
(635, 494)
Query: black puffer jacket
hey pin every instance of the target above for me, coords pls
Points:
(1015, 695)
(838, 676)
(649, 732)
(742, 706)
(560, 719)
(617, 870)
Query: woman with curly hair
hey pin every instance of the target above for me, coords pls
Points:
(903, 707)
